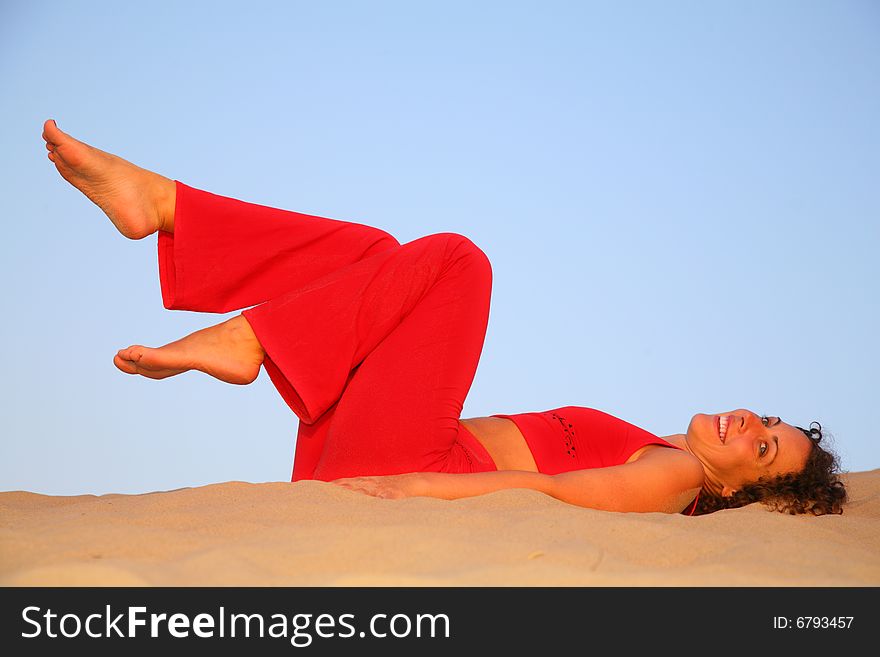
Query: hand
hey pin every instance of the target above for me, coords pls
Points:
(392, 487)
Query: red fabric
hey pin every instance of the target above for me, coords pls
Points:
(578, 438)
(372, 344)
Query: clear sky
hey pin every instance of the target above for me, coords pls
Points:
(680, 201)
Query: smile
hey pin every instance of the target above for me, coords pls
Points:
(721, 423)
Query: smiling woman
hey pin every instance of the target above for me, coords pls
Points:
(789, 472)
(374, 344)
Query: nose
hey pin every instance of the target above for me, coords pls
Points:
(747, 418)
(742, 418)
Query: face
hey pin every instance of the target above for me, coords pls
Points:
(739, 446)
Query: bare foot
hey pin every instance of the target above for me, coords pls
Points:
(228, 351)
(138, 202)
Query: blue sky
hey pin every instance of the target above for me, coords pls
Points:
(679, 199)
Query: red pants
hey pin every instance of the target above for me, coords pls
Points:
(373, 344)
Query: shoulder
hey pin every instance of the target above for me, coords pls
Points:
(663, 481)
(667, 480)
(679, 465)
(674, 476)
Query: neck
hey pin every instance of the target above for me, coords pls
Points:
(678, 439)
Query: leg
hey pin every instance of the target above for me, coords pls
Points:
(377, 359)
(216, 254)
(226, 254)
(400, 411)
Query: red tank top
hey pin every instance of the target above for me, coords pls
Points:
(577, 438)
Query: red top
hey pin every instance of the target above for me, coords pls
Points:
(577, 438)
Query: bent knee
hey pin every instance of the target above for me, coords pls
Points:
(384, 242)
(456, 246)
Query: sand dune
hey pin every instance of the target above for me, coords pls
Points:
(315, 533)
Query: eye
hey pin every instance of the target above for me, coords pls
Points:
(765, 420)
(763, 448)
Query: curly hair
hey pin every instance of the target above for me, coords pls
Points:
(816, 489)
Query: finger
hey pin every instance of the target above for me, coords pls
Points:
(347, 482)
(354, 487)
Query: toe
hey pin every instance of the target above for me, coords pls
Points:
(132, 353)
(57, 140)
(126, 366)
(51, 131)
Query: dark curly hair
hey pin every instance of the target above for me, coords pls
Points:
(816, 489)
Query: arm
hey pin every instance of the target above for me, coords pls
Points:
(445, 485)
(662, 480)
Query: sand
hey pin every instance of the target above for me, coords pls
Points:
(317, 534)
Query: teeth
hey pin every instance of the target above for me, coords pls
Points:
(722, 430)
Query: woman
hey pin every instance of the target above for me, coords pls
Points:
(374, 346)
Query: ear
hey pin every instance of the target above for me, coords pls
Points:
(727, 491)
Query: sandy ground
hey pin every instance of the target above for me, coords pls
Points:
(317, 534)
